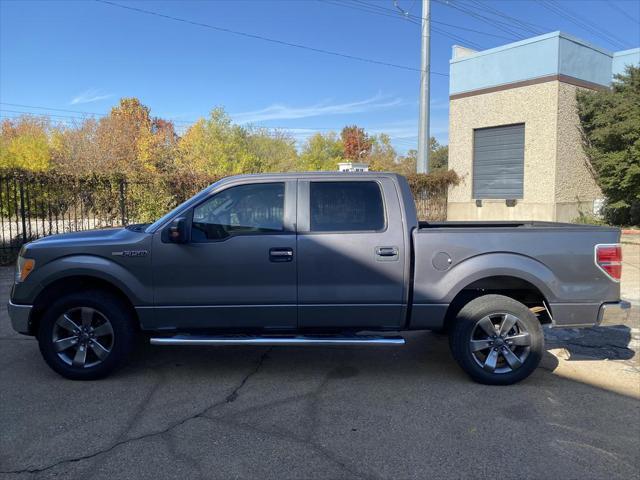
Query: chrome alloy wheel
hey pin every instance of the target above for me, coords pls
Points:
(500, 343)
(82, 337)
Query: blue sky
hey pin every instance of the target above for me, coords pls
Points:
(83, 55)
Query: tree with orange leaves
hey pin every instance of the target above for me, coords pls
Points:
(356, 143)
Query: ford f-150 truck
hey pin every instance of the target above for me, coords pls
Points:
(313, 259)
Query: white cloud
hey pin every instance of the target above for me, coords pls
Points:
(284, 112)
(89, 96)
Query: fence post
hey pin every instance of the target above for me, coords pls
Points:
(123, 211)
(22, 212)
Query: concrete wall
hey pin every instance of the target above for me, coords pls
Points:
(576, 188)
(536, 106)
(557, 178)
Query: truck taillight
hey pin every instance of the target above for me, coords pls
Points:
(609, 259)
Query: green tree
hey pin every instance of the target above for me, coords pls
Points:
(438, 155)
(321, 152)
(25, 143)
(274, 151)
(610, 121)
(76, 149)
(216, 146)
(382, 156)
(438, 158)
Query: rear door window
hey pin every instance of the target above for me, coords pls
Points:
(346, 207)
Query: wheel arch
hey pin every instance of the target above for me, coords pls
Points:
(513, 286)
(75, 283)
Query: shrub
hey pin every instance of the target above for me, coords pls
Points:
(610, 122)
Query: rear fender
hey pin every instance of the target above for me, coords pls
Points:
(448, 284)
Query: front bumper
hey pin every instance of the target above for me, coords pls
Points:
(19, 315)
(614, 313)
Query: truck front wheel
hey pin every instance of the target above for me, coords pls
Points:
(86, 335)
(497, 340)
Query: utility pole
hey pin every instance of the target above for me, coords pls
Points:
(423, 126)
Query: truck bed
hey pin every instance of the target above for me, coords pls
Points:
(556, 258)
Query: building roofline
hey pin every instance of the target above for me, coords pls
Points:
(539, 38)
(626, 52)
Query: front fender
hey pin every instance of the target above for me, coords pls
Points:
(84, 265)
(433, 286)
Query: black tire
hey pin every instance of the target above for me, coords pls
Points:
(500, 363)
(103, 308)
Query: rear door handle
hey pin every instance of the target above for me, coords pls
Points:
(387, 253)
(281, 254)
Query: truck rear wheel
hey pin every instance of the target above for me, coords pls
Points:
(86, 335)
(497, 340)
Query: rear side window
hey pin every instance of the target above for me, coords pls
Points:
(346, 207)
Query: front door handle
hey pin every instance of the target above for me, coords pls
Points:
(281, 254)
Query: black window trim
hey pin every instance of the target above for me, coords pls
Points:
(343, 232)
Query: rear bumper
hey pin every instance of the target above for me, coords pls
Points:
(578, 315)
(613, 313)
(19, 315)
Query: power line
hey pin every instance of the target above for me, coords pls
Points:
(41, 114)
(68, 118)
(585, 25)
(263, 38)
(502, 26)
(412, 19)
(582, 23)
(417, 18)
(597, 27)
(621, 10)
(516, 22)
(480, 32)
(76, 111)
(48, 108)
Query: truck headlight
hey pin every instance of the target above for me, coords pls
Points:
(24, 267)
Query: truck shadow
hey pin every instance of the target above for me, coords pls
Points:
(595, 343)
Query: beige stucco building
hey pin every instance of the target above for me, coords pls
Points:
(514, 132)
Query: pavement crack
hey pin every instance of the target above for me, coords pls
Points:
(233, 396)
(321, 450)
(200, 414)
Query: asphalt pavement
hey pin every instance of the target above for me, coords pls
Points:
(323, 412)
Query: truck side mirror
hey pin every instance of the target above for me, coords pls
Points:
(177, 231)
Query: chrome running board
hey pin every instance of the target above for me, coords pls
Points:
(283, 340)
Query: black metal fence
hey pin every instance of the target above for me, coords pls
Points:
(32, 208)
(36, 205)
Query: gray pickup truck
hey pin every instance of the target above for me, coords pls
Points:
(313, 259)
